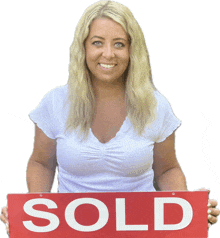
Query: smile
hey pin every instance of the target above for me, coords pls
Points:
(107, 66)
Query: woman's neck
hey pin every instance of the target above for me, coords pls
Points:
(105, 91)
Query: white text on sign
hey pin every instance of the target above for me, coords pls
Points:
(104, 215)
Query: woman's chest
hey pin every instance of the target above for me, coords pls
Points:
(107, 121)
(125, 156)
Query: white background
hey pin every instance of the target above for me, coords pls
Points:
(183, 42)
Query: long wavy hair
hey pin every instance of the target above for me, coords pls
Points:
(139, 88)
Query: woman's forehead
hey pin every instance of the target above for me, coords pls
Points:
(107, 27)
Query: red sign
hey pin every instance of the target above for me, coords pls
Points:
(109, 215)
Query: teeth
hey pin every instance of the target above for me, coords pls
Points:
(107, 66)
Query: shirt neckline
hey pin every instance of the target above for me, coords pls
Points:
(121, 130)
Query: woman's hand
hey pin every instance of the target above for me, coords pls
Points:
(213, 212)
(4, 217)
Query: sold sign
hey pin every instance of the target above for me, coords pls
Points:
(83, 215)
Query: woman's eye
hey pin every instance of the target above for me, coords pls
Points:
(97, 43)
(119, 44)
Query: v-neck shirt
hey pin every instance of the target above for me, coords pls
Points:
(123, 164)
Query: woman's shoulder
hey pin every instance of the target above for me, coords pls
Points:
(59, 90)
(56, 98)
(57, 95)
(162, 101)
(164, 108)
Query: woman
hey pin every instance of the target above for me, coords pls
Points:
(109, 129)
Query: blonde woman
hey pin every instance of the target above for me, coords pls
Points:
(108, 129)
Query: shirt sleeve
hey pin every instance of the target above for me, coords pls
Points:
(43, 115)
(167, 121)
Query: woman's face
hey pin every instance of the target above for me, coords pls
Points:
(107, 50)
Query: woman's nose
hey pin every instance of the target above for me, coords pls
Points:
(108, 51)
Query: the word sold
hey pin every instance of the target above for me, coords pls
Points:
(104, 215)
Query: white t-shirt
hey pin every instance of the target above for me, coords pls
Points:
(124, 164)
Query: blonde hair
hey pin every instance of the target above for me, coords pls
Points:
(139, 88)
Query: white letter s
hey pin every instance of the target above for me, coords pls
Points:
(54, 220)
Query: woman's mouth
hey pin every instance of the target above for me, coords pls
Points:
(107, 66)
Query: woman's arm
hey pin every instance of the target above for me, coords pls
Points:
(169, 176)
(42, 163)
(40, 170)
(167, 172)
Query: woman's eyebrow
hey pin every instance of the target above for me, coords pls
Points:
(97, 37)
(119, 39)
(104, 38)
